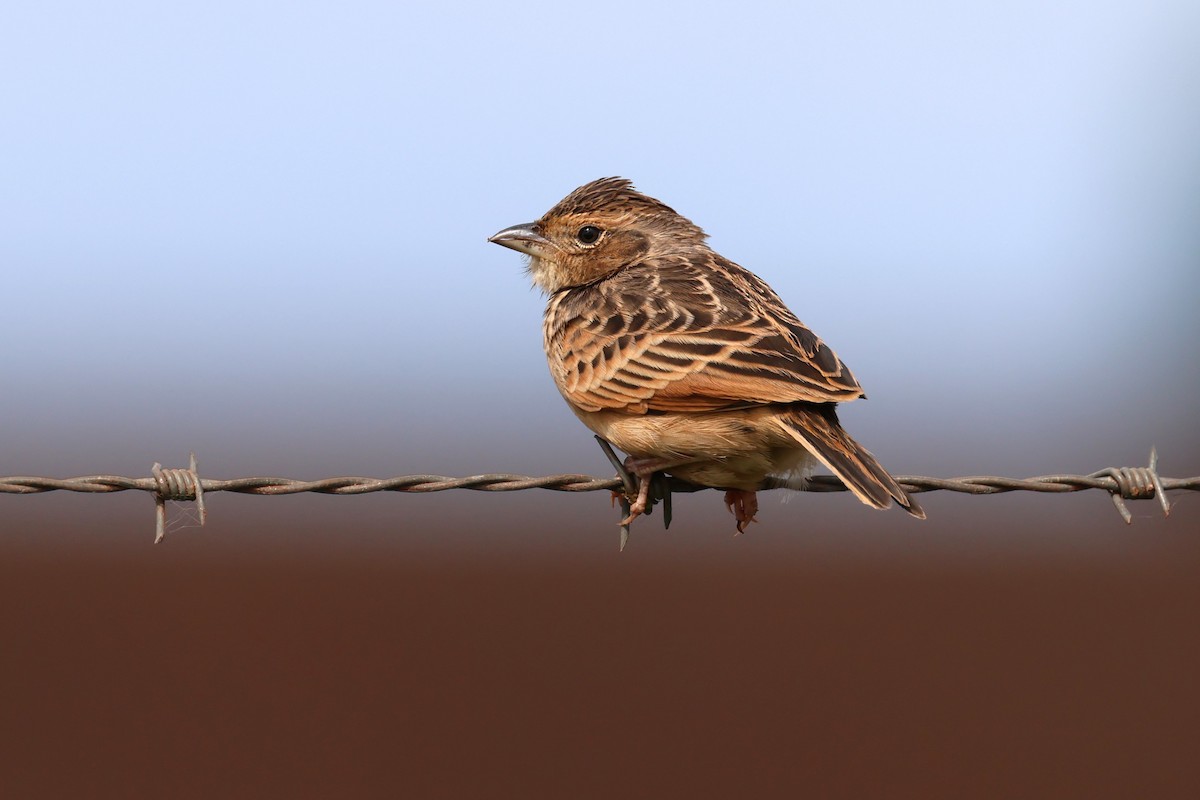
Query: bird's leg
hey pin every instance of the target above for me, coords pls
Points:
(743, 505)
(643, 469)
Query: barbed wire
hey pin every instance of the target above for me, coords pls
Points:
(1122, 483)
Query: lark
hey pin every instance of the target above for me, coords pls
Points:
(689, 363)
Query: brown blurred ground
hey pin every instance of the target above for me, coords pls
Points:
(209, 667)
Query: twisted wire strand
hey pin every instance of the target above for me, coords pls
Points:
(1122, 483)
(415, 484)
(503, 482)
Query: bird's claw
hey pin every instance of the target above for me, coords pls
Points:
(743, 505)
(642, 486)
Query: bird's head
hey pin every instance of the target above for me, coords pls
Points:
(596, 231)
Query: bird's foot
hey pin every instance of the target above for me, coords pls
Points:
(638, 478)
(643, 469)
(638, 506)
(743, 505)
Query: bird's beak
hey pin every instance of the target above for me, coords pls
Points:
(524, 239)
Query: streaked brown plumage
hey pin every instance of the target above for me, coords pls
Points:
(683, 359)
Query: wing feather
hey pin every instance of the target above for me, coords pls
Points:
(680, 334)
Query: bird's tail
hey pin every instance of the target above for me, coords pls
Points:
(817, 428)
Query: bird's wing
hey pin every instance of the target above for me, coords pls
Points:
(687, 335)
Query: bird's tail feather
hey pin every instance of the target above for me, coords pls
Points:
(818, 430)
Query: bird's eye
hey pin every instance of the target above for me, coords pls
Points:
(588, 234)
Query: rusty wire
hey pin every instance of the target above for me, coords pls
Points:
(503, 482)
(1122, 483)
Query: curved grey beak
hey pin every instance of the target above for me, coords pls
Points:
(524, 239)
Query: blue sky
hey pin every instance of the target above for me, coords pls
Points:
(257, 230)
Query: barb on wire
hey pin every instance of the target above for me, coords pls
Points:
(1122, 483)
(175, 484)
(1135, 483)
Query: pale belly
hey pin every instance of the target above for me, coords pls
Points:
(727, 449)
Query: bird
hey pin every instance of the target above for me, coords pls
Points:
(689, 363)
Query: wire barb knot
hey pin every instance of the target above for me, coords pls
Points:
(1136, 483)
(175, 484)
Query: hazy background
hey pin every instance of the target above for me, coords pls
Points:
(257, 231)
